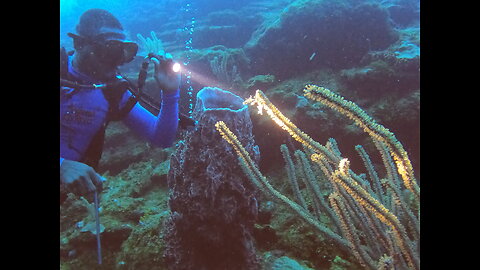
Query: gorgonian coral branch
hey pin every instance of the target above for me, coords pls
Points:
(344, 179)
(263, 104)
(373, 222)
(254, 174)
(370, 126)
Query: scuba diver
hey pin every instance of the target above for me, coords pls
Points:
(92, 93)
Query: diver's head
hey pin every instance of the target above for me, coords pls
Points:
(100, 41)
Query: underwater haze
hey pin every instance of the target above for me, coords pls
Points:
(320, 169)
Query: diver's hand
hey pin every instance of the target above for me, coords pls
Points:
(166, 79)
(80, 178)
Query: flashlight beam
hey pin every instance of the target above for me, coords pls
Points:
(176, 67)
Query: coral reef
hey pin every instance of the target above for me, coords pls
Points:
(260, 81)
(312, 34)
(227, 27)
(366, 51)
(403, 12)
(133, 204)
(218, 66)
(393, 71)
(213, 208)
(286, 263)
(224, 66)
(378, 208)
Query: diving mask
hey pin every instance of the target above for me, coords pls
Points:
(115, 51)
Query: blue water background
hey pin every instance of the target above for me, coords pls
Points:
(133, 13)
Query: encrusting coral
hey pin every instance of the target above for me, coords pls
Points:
(373, 219)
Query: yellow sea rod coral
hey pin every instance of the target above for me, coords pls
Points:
(371, 127)
(254, 175)
(263, 104)
(379, 210)
(376, 222)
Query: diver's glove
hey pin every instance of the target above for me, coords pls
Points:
(166, 78)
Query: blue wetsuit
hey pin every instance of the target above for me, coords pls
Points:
(84, 113)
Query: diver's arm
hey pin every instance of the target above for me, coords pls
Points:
(159, 130)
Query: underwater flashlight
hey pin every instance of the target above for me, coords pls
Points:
(176, 67)
(166, 62)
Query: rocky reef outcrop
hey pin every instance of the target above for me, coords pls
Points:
(311, 34)
(213, 207)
